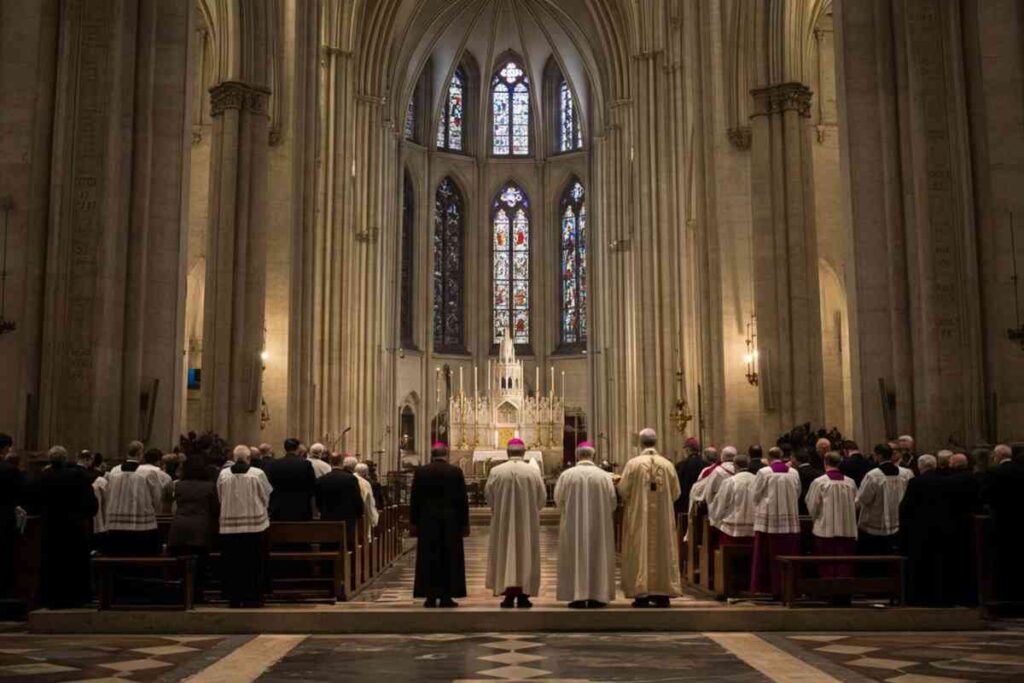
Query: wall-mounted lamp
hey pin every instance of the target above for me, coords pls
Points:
(264, 355)
(750, 358)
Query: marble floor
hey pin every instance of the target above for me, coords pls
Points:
(986, 657)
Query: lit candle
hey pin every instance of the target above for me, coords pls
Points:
(476, 393)
(536, 382)
(551, 387)
(563, 387)
(462, 385)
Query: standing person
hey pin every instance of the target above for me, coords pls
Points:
(339, 499)
(800, 459)
(688, 471)
(731, 513)
(908, 457)
(776, 522)
(586, 536)
(245, 495)
(12, 487)
(516, 493)
(362, 472)
(855, 465)
(293, 481)
(878, 500)
(756, 454)
(133, 500)
(318, 459)
(1002, 492)
(439, 516)
(68, 505)
(650, 549)
(830, 502)
(196, 513)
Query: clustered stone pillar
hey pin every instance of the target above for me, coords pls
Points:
(786, 297)
(233, 328)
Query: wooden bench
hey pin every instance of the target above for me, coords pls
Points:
(797, 581)
(732, 570)
(106, 567)
(328, 544)
(706, 555)
(695, 538)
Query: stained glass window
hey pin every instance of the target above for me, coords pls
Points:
(511, 264)
(448, 268)
(571, 134)
(410, 120)
(510, 108)
(408, 254)
(574, 264)
(450, 127)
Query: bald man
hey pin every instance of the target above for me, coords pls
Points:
(650, 549)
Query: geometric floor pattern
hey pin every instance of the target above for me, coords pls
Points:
(988, 657)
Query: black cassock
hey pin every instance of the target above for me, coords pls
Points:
(68, 506)
(440, 512)
(1003, 492)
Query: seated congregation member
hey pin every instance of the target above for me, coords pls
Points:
(776, 522)
(516, 493)
(855, 465)
(362, 472)
(245, 495)
(800, 459)
(12, 489)
(831, 503)
(878, 500)
(67, 504)
(585, 495)
(1003, 493)
(294, 482)
(439, 517)
(339, 499)
(318, 459)
(134, 497)
(731, 513)
(196, 515)
(650, 549)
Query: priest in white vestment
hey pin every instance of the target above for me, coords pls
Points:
(831, 503)
(731, 513)
(650, 549)
(585, 495)
(370, 512)
(516, 493)
(776, 522)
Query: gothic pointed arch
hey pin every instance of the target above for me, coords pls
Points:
(573, 246)
(510, 108)
(510, 261)
(449, 268)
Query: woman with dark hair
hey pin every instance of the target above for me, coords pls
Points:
(196, 511)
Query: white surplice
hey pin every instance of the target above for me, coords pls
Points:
(585, 495)
(776, 497)
(516, 493)
(650, 550)
(732, 510)
(369, 504)
(831, 502)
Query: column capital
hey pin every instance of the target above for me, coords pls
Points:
(782, 97)
(238, 95)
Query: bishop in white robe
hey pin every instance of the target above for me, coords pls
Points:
(776, 522)
(831, 503)
(650, 549)
(585, 495)
(516, 493)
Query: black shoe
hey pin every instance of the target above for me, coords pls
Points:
(579, 604)
(508, 603)
(641, 602)
(523, 602)
(430, 602)
(595, 604)
(448, 602)
(661, 602)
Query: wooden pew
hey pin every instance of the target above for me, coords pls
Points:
(317, 535)
(800, 577)
(706, 554)
(696, 535)
(681, 527)
(732, 570)
(105, 569)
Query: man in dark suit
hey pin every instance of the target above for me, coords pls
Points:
(757, 462)
(12, 487)
(294, 483)
(339, 499)
(800, 459)
(439, 516)
(1003, 493)
(855, 465)
(688, 471)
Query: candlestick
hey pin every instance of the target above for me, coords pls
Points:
(488, 376)
(462, 386)
(563, 387)
(551, 387)
(476, 393)
(536, 381)
(437, 386)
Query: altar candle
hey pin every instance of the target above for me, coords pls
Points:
(462, 385)
(437, 385)
(488, 376)
(536, 382)
(551, 387)
(563, 387)
(476, 393)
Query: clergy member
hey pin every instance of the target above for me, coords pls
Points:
(515, 491)
(878, 500)
(731, 513)
(362, 472)
(830, 502)
(245, 493)
(650, 550)
(586, 536)
(776, 522)
(439, 517)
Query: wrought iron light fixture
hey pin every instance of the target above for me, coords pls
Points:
(6, 205)
(750, 358)
(680, 415)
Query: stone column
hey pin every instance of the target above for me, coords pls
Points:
(233, 329)
(786, 298)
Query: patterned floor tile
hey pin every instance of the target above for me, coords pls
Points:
(515, 673)
(133, 665)
(512, 658)
(34, 669)
(846, 649)
(914, 678)
(881, 663)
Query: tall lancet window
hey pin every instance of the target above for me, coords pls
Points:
(450, 127)
(448, 268)
(574, 265)
(408, 267)
(410, 120)
(510, 109)
(571, 135)
(510, 221)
